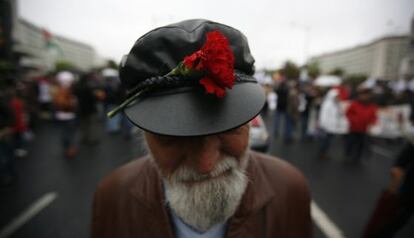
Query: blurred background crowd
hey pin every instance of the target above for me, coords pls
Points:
(75, 101)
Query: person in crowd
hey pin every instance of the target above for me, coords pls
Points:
(30, 94)
(344, 91)
(307, 97)
(7, 170)
(361, 114)
(66, 106)
(282, 92)
(395, 207)
(379, 95)
(403, 174)
(113, 96)
(271, 100)
(332, 121)
(292, 111)
(126, 125)
(313, 129)
(44, 96)
(19, 125)
(193, 94)
(87, 109)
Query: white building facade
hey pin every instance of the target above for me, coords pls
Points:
(380, 59)
(30, 42)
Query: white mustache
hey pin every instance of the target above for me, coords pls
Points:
(188, 174)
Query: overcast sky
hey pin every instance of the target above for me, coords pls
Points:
(277, 30)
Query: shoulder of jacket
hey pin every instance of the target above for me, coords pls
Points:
(280, 174)
(122, 177)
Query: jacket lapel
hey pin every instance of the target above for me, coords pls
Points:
(148, 191)
(258, 193)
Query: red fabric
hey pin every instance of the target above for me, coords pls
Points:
(41, 79)
(217, 60)
(360, 116)
(342, 93)
(17, 107)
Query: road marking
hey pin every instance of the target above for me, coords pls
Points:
(381, 151)
(318, 216)
(28, 214)
(324, 223)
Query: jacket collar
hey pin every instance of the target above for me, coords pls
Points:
(258, 192)
(147, 187)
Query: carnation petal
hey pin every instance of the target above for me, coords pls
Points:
(216, 59)
(211, 87)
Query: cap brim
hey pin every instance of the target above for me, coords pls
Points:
(196, 113)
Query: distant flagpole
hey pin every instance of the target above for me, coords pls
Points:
(50, 44)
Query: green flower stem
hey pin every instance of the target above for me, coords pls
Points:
(179, 70)
(123, 105)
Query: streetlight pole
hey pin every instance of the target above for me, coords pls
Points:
(306, 44)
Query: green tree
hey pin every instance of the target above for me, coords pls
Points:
(63, 65)
(337, 71)
(6, 68)
(290, 70)
(313, 69)
(355, 79)
(112, 64)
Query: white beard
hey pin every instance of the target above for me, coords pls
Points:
(203, 201)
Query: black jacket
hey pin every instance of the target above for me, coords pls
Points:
(6, 114)
(405, 160)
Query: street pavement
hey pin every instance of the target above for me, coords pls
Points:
(63, 189)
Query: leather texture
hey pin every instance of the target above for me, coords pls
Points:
(160, 50)
(192, 114)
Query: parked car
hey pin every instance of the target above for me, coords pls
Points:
(259, 137)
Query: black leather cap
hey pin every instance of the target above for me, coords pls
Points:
(188, 111)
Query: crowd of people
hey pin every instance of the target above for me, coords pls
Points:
(74, 101)
(309, 111)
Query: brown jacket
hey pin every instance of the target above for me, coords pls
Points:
(130, 203)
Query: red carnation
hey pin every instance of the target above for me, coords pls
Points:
(217, 60)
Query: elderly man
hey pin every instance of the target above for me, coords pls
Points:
(192, 93)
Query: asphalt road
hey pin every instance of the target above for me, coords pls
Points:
(346, 194)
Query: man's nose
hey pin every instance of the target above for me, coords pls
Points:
(204, 154)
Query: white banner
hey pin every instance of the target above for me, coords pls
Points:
(392, 121)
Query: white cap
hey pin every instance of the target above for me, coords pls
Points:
(65, 78)
(108, 72)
